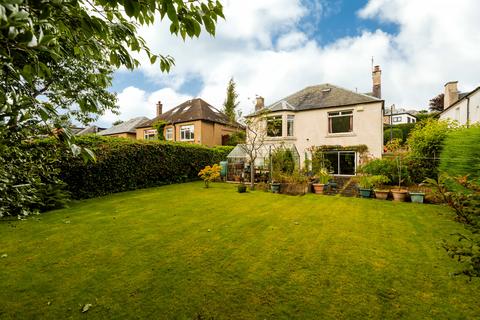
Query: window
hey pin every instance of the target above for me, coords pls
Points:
(340, 121)
(408, 120)
(187, 133)
(274, 126)
(149, 134)
(397, 119)
(341, 162)
(169, 133)
(290, 120)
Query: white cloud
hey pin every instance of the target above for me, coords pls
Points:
(261, 46)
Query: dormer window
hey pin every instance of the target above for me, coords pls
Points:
(340, 121)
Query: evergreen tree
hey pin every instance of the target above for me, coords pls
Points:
(231, 102)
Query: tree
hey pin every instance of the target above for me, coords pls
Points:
(436, 103)
(117, 122)
(231, 102)
(256, 128)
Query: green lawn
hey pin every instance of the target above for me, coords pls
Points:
(183, 252)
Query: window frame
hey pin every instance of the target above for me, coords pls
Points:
(338, 153)
(168, 131)
(340, 114)
(149, 134)
(280, 126)
(290, 125)
(191, 131)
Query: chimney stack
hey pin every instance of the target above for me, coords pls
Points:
(159, 108)
(260, 103)
(451, 94)
(377, 82)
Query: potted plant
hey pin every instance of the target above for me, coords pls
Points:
(399, 194)
(242, 187)
(417, 196)
(275, 187)
(322, 179)
(378, 181)
(365, 186)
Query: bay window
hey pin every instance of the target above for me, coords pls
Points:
(290, 121)
(274, 126)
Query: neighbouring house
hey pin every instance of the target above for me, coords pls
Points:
(125, 129)
(463, 107)
(193, 121)
(325, 115)
(399, 116)
(87, 130)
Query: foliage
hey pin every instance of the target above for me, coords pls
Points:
(394, 145)
(210, 174)
(426, 143)
(159, 125)
(360, 148)
(323, 176)
(117, 122)
(231, 101)
(235, 138)
(436, 103)
(422, 116)
(282, 161)
(368, 181)
(124, 164)
(384, 167)
(463, 196)
(29, 179)
(461, 153)
(396, 133)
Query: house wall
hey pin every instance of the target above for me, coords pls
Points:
(206, 133)
(123, 135)
(404, 118)
(459, 111)
(311, 129)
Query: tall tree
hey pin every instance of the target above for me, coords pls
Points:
(231, 102)
(436, 103)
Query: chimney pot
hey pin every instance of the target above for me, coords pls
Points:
(377, 82)
(451, 94)
(260, 103)
(159, 108)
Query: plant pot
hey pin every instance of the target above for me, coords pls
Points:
(242, 188)
(381, 194)
(365, 193)
(275, 187)
(399, 194)
(417, 197)
(318, 188)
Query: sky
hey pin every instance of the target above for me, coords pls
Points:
(274, 48)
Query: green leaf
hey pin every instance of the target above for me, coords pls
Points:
(129, 8)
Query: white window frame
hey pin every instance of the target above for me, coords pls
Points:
(338, 152)
(275, 118)
(291, 122)
(338, 114)
(397, 119)
(169, 133)
(149, 134)
(187, 132)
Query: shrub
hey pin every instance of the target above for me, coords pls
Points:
(385, 167)
(235, 138)
(124, 164)
(461, 153)
(425, 143)
(283, 162)
(396, 133)
(209, 174)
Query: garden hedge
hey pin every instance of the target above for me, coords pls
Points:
(124, 164)
(461, 153)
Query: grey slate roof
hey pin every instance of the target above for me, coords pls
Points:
(125, 127)
(190, 110)
(319, 97)
(89, 130)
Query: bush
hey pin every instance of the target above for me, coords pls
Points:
(209, 174)
(385, 167)
(461, 153)
(396, 134)
(124, 164)
(406, 128)
(426, 143)
(235, 138)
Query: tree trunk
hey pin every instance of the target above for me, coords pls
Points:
(252, 175)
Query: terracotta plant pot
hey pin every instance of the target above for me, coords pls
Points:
(318, 188)
(381, 194)
(417, 197)
(365, 193)
(399, 194)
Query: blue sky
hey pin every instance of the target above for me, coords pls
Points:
(273, 48)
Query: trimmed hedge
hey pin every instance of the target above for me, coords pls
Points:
(124, 165)
(461, 153)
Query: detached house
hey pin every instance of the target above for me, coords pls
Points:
(125, 129)
(193, 121)
(327, 115)
(463, 107)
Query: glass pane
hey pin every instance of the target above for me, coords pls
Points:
(274, 126)
(290, 126)
(340, 124)
(347, 163)
(332, 162)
